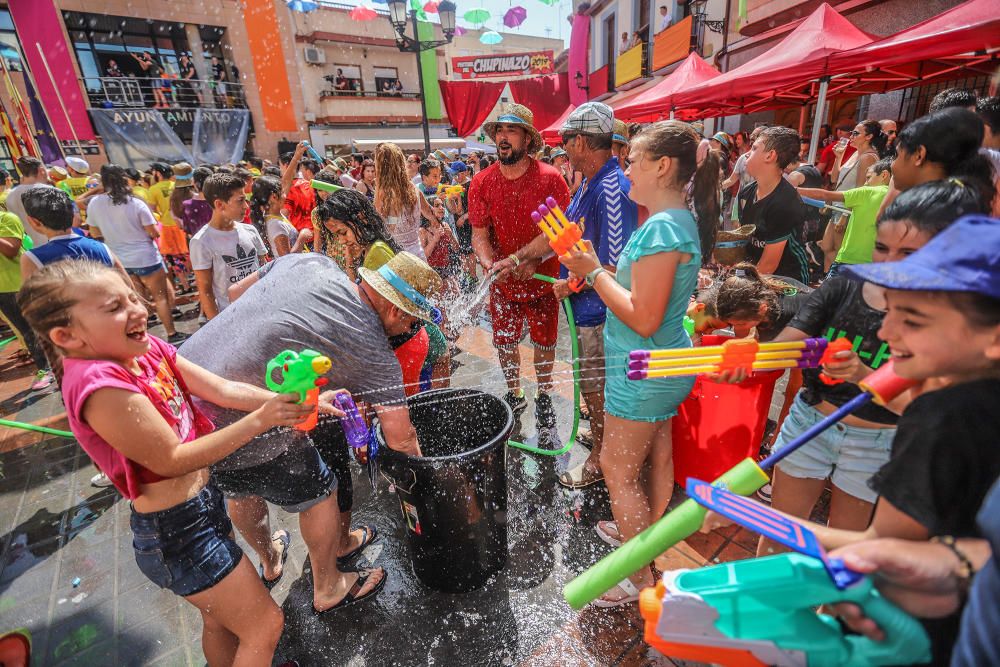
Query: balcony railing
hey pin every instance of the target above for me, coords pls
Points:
(369, 94)
(600, 82)
(131, 92)
(631, 65)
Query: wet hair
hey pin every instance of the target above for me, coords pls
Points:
(178, 196)
(4, 177)
(395, 192)
(45, 300)
(598, 142)
(741, 294)
(932, 206)
(952, 138)
(28, 166)
(286, 158)
(979, 310)
(354, 210)
(255, 162)
(367, 162)
(882, 166)
(429, 165)
(953, 97)
(264, 188)
(678, 140)
(484, 163)
(244, 174)
(198, 177)
(325, 176)
(311, 165)
(271, 171)
(221, 186)
(784, 141)
(988, 110)
(115, 185)
(50, 206)
(879, 139)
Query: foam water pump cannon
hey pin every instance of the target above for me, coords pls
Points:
(300, 374)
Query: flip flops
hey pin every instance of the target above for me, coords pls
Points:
(283, 538)
(352, 596)
(578, 477)
(370, 535)
(631, 595)
(604, 529)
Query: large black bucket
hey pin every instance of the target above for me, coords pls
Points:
(454, 498)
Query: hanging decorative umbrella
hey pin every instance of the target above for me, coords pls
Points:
(304, 6)
(431, 7)
(363, 13)
(477, 15)
(549, 2)
(515, 16)
(491, 37)
(459, 31)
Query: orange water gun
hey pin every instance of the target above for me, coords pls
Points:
(563, 235)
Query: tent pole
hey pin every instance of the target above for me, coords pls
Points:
(824, 84)
(671, 113)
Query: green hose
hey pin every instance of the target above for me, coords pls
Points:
(7, 340)
(39, 429)
(575, 348)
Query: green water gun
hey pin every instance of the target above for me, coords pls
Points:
(300, 374)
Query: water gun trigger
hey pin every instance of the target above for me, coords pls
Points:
(322, 382)
(576, 285)
(832, 349)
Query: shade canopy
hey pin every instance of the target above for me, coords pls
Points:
(776, 77)
(551, 133)
(658, 101)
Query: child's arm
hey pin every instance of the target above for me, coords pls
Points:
(292, 170)
(771, 257)
(281, 245)
(305, 236)
(28, 266)
(203, 278)
(821, 194)
(146, 438)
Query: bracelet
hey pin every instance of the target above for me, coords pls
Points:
(966, 570)
(514, 258)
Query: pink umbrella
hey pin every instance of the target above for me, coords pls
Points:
(431, 7)
(363, 13)
(459, 31)
(515, 16)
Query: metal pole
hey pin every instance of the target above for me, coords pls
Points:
(62, 106)
(824, 83)
(420, 76)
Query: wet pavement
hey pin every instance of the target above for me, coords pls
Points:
(69, 577)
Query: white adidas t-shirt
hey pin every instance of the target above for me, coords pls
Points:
(231, 255)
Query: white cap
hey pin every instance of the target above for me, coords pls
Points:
(78, 164)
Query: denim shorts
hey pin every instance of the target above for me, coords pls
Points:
(187, 548)
(143, 271)
(294, 481)
(848, 455)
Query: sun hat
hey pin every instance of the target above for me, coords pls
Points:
(78, 164)
(183, 174)
(58, 174)
(558, 152)
(407, 282)
(723, 139)
(341, 164)
(619, 132)
(589, 118)
(965, 257)
(698, 127)
(516, 114)
(457, 166)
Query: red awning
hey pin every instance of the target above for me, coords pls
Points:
(551, 133)
(961, 42)
(656, 103)
(776, 78)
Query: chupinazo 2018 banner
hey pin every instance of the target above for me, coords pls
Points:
(506, 64)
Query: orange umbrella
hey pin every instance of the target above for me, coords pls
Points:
(363, 13)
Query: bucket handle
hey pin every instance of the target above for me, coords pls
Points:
(396, 484)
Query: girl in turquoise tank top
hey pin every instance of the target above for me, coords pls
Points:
(647, 298)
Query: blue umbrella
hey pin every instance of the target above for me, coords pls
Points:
(491, 37)
(304, 6)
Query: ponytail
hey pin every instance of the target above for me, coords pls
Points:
(878, 139)
(705, 201)
(741, 295)
(263, 189)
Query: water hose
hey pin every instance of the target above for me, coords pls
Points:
(575, 351)
(4, 342)
(33, 427)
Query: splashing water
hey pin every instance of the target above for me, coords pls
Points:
(464, 309)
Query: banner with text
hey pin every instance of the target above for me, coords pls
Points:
(507, 64)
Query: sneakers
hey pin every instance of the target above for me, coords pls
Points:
(43, 379)
(100, 480)
(518, 404)
(177, 337)
(545, 413)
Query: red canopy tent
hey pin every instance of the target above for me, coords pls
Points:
(962, 41)
(657, 102)
(551, 133)
(776, 78)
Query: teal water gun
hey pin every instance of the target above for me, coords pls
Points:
(300, 374)
(762, 611)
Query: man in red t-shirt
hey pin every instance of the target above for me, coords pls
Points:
(508, 244)
(827, 156)
(300, 199)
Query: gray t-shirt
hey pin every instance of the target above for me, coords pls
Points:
(16, 206)
(303, 301)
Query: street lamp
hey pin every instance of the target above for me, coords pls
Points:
(579, 81)
(399, 13)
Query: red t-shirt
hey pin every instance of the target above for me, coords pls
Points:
(504, 207)
(828, 157)
(299, 202)
(411, 356)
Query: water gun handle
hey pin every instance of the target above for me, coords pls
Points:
(577, 284)
(904, 635)
(309, 423)
(278, 363)
(835, 346)
(314, 154)
(744, 478)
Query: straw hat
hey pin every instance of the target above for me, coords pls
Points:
(407, 282)
(619, 132)
(516, 114)
(57, 174)
(183, 175)
(731, 245)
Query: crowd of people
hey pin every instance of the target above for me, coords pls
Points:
(886, 240)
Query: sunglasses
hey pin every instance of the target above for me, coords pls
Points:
(855, 133)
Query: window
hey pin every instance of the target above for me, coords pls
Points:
(345, 79)
(8, 43)
(387, 81)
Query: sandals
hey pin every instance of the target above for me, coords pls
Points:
(585, 438)
(284, 539)
(352, 596)
(627, 587)
(579, 477)
(604, 531)
(370, 535)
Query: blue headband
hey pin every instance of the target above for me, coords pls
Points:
(619, 138)
(511, 118)
(408, 291)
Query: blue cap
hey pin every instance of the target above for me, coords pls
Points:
(457, 166)
(965, 257)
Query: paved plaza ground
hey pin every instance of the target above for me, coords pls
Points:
(68, 575)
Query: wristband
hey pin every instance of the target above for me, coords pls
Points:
(514, 258)
(965, 571)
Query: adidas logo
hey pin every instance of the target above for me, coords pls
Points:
(243, 260)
